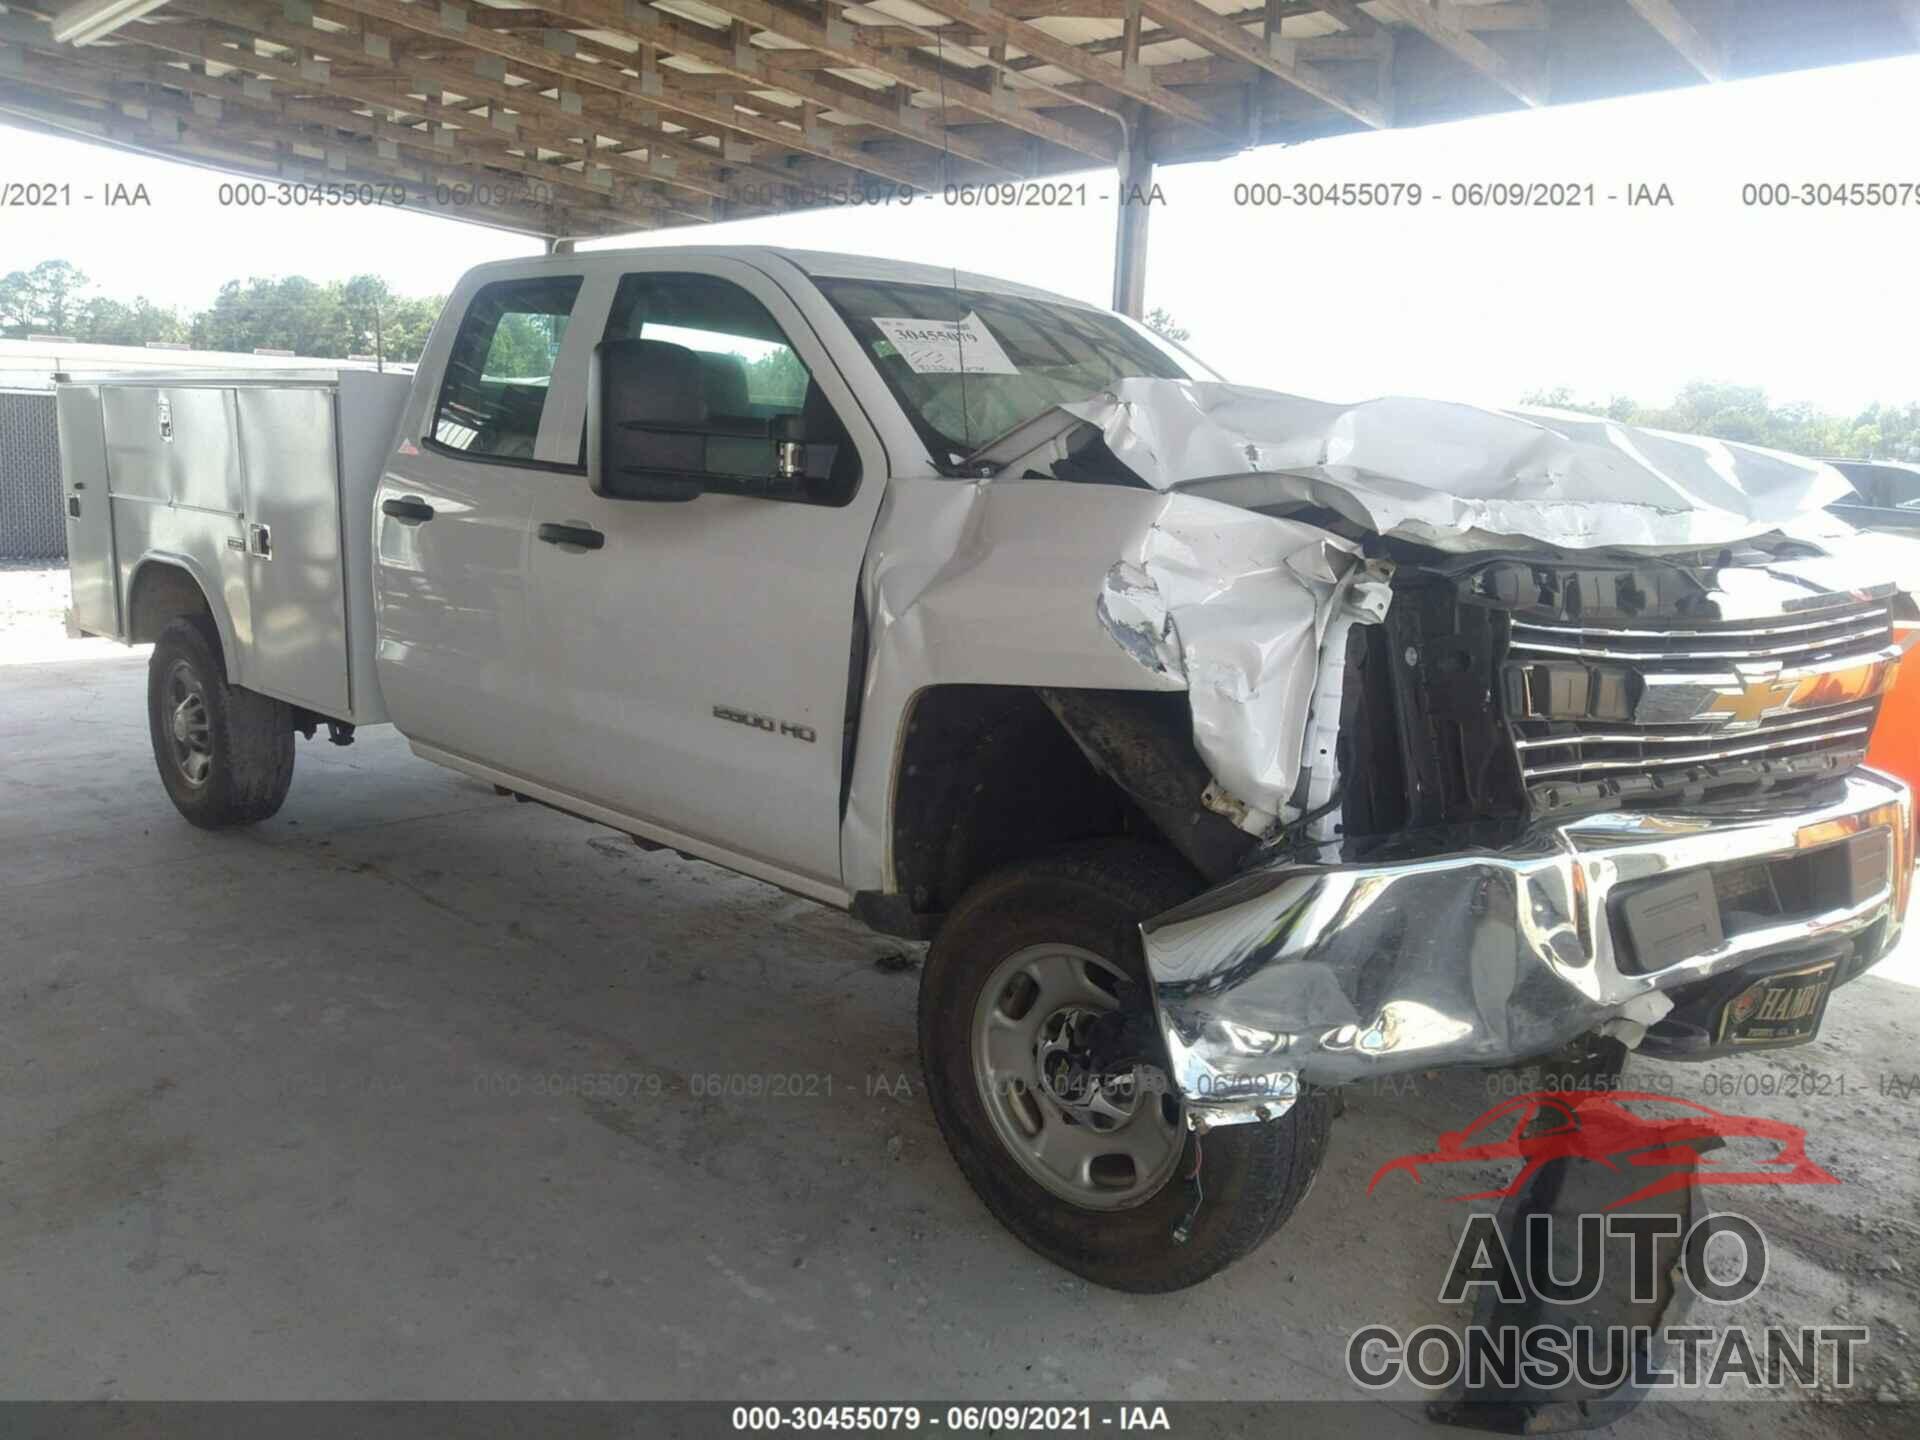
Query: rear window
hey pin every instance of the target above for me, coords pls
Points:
(499, 369)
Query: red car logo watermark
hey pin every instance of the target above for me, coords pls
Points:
(1623, 1130)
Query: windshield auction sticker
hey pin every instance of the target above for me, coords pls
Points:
(936, 347)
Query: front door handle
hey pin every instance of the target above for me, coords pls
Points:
(408, 509)
(571, 535)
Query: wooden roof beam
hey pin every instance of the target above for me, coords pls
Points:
(1130, 82)
(1193, 21)
(1445, 24)
(394, 95)
(615, 118)
(733, 54)
(1352, 18)
(1705, 50)
(1510, 15)
(1513, 15)
(187, 133)
(229, 90)
(451, 24)
(845, 44)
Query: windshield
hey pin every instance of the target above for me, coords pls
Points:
(969, 365)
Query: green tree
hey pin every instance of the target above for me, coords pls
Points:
(291, 313)
(777, 378)
(523, 346)
(1744, 413)
(330, 320)
(406, 323)
(364, 303)
(46, 300)
(116, 322)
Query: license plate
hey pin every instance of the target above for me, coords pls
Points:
(1782, 1009)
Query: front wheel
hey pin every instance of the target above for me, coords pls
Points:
(225, 753)
(1039, 1068)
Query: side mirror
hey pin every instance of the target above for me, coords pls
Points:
(650, 435)
(646, 418)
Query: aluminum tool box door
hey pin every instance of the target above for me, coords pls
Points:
(173, 467)
(295, 574)
(83, 483)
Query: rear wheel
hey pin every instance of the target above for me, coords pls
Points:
(1038, 1042)
(225, 754)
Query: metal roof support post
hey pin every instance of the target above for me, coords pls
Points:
(1130, 223)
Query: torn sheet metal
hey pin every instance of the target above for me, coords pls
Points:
(1011, 582)
(1456, 477)
(977, 583)
(1235, 605)
(1330, 970)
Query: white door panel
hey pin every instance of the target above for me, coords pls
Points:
(451, 518)
(451, 604)
(692, 670)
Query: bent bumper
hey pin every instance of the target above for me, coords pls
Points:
(1326, 973)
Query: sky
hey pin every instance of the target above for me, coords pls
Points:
(1480, 304)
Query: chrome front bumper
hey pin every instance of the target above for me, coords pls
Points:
(1326, 973)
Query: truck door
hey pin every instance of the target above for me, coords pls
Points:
(692, 659)
(91, 566)
(450, 525)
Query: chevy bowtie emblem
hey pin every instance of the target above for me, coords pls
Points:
(1746, 707)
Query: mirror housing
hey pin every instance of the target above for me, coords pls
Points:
(646, 418)
(650, 435)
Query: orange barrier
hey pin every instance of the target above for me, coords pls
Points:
(1895, 745)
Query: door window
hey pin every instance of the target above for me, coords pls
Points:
(755, 384)
(751, 371)
(499, 369)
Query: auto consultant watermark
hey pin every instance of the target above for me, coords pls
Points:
(1550, 1357)
(1585, 1283)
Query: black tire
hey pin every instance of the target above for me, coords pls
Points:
(241, 743)
(1252, 1175)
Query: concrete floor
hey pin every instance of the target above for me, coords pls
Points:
(401, 1095)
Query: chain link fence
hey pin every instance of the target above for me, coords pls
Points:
(32, 526)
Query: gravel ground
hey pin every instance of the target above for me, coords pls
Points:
(402, 1094)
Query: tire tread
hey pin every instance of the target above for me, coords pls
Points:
(1262, 1171)
(252, 734)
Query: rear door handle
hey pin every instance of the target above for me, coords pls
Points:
(408, 509)
(571, 535)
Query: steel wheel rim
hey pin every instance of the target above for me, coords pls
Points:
(1099, 1147)
(189, 730)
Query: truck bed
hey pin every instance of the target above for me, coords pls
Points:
(258, 486)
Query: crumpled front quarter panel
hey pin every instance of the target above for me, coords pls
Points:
(1062, 585)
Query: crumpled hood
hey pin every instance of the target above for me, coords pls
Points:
(1455, 477)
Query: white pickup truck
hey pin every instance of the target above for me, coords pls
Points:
(1228, 746)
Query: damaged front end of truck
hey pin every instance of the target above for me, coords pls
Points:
(1535, 728)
